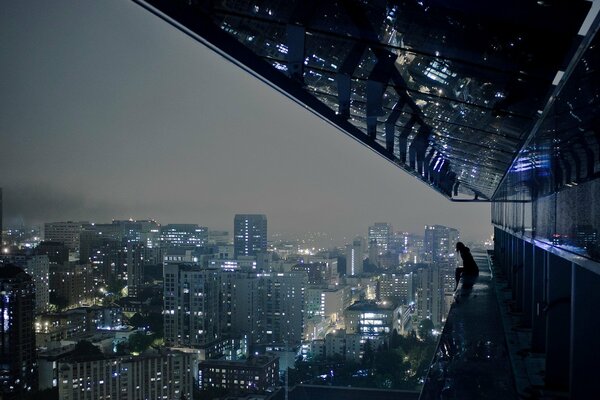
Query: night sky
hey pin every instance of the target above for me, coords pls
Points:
(106, 112)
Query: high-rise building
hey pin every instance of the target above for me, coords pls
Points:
(440, 242)
(105, 245)
(18, 375)
(284, 307)
(102, 246)
(135, 264)
(267, 308)
(183, 235)
(38, 267)
(354, 257)
(1, 226)
(249, 234)
(57, 252)
(253, 375)
(399, 288)
(191, 305)
(107, 255)
(66, 232)
(72, 285)
(380, 235)
(243, 312)
(328, 303)
(218, 237)
(430, 297)
(167, 375)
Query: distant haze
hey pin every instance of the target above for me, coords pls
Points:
(108, 112)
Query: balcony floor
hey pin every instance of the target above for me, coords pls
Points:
(472, 360)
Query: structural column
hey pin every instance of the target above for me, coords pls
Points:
(538, 323)
(558, 323)
(585, 332)
(527, 301)
(517, 270)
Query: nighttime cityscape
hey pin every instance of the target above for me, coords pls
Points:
(285, 200)
(202, 312)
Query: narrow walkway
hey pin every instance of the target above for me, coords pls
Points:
(472, 360)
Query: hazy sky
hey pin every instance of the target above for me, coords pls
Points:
(106, 112)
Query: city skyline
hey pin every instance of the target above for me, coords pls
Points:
(95, 109)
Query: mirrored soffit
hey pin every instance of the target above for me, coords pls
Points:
(448, 91)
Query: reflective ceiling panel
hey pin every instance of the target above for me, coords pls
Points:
(448, 91)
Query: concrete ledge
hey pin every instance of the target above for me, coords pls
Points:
(472, 359)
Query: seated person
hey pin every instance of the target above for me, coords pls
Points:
(469, 271)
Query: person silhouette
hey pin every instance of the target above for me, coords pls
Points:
(469, 271)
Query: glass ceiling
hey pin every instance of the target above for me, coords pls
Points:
(448, 91)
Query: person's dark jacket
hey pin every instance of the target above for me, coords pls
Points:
(469, 264)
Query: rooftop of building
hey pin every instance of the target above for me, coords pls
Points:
(303, 392)
(369, 305)
(255, 361)
(11, 271)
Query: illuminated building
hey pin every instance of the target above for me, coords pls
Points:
(440, 244)
(135, 271)
(243, 311)
(354, 257)
(284, 307)
(167, 375)
(249, 234)
(18, 368)
(397, 288)
(347, 345)
(380, 237)
(1, 226)
(183, 235)
(191, 305)
(372, 320)
(73, 284)
(254, 375)
(329, 303)
(66, 232)
(430, 298)
(38, 267)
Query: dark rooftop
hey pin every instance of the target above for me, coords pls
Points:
(11, 271)
(371, 305)
(309, 392)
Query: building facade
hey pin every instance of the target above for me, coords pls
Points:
(249, 234)
(254, 375)
(372, 320)
(380, 236)
(191, 305)
(354, 257)
(284, 307)
(166, 376)
(430, 295)
(18, 365)
(38, 267)
(398, 288)
(440, 244)
(72, 284)
(183, 235)
(66, 232)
